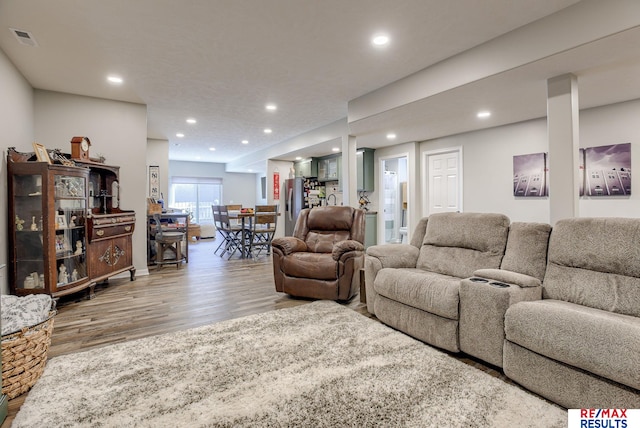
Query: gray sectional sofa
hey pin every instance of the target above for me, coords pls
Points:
(415, 287)
(579, 345)
(558, 310)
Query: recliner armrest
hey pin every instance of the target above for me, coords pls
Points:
(342, 247)
(395, 255)
(289, 244)
(508, 277)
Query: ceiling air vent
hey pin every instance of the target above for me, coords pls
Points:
(24, 37)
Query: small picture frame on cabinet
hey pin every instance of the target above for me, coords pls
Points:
(41, 153)
(61, 222)
(62, 244)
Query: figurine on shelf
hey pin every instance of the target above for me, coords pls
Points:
(72, 221)
(34, 226)
(78, 247)
(74, 275)
(28, 283)
(19, 223)
(63, 276)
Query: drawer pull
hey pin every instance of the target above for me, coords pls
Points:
(100, 232)
(127, 228)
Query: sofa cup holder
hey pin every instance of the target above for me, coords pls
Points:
(498, 284)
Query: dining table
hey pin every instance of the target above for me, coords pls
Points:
(243, 216)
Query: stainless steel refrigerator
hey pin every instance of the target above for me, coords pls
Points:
(299, 193)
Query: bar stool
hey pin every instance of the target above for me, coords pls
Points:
(168, 241)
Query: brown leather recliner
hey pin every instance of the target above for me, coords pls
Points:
(323, 258)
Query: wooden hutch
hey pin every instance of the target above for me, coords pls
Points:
(67, 231)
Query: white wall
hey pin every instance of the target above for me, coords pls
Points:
(488, 168)
(16, 122)
(237, 188)
(604, 126)
(283, 169)
(158, 155)
(488, 163)
(117, 130)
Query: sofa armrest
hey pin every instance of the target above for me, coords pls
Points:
(519, 279)
(289, 244)
(383, 256)
(342, 247)
(395, 255)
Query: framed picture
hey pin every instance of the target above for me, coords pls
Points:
(154, 182)
(62, 244)
(607, 170)
(61, 223)
(530, 175)
(41, 153)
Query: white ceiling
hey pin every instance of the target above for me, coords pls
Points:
(221, 61)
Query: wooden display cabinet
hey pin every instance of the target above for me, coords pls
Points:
(47, 228)
(67, 231)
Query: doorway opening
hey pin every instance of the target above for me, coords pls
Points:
(393, 200)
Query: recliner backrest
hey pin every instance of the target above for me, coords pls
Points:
(457, 244)
(526, 250)
(321, 227)
(418, 233)
(595, 262)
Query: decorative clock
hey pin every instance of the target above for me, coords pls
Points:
(80, 148)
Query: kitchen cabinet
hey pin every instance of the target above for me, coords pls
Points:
(371, 229)
(364, 170)
(306, 168)
(330, 168)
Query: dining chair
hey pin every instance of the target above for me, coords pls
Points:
(233, 208)
(265, 219)
(169, 245)
(232, 235)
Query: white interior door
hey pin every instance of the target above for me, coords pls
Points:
(444, 182)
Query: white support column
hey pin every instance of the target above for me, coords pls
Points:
(349, 171)
(563, 132)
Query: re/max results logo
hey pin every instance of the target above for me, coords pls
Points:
(604, 418)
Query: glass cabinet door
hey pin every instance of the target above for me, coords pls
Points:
(70, 240)
(28, 227)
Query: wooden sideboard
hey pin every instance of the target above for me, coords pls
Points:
(110, 249)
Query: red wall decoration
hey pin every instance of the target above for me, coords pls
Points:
(276, 185)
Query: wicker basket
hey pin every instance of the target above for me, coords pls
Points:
(24, 355)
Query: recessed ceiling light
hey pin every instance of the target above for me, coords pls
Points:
(391, 136)
(191, 120)
(271, 107)
(213, 149)
(267, 131)
(116, 80)
(380, 40)
(336, 149)
(179, 135)
(483, 114)
(245, 141)
(298, 157)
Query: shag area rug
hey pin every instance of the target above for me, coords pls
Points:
(318, 364)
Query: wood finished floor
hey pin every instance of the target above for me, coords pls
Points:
(208, 289)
